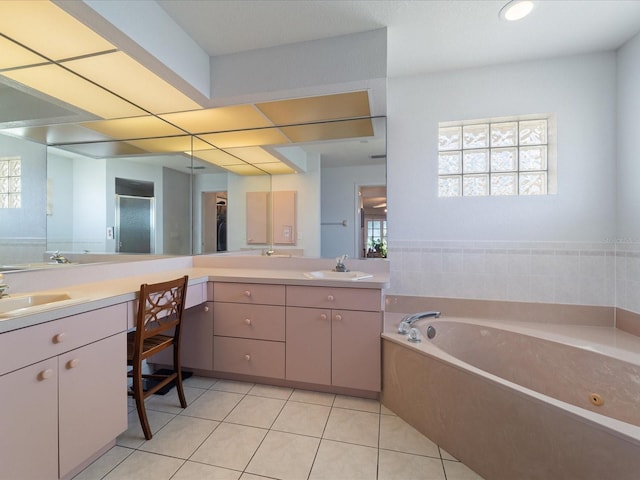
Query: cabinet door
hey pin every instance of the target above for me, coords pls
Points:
(29, 422)
(356, 349)
(93, 399)
(308, 343)
(196, 350)
(257, 207)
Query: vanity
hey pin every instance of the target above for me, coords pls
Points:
(63, 369)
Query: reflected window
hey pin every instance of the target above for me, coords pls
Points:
(10, 182)
(377, 238)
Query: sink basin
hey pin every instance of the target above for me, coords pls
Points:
(333, 275)
(25, 304)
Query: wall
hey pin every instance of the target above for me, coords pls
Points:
(556, 248)
(60, 203)
(339, 202)
(628, 174)
(23, 230)
(176, 212)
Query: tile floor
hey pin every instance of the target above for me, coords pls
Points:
(234, 430)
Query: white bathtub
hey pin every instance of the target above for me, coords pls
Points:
(519, 401)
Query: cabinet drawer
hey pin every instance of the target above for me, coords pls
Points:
(32, 344)
(249, 357)
(335, 297)
(249, 293)
(261, 322)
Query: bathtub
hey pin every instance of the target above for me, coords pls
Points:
(518, 401)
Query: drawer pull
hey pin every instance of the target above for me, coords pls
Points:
(323, 316)
(206, 308)
(43, 375)
(247, 357)
(338, 317)
(59, 338)
(247, 293)
(73, 363)
(330, 298)
(247, 321)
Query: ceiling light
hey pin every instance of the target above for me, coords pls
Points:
(516, 10)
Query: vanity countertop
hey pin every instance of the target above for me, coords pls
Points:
(104, 293)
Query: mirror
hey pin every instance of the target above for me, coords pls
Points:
(82, 196)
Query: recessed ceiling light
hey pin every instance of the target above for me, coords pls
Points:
(516, 10)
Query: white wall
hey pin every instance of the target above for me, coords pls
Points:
(60, 218)
(580, 90)
(555, 248)
(176, 213)
(628, 177)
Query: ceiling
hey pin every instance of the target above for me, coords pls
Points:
(423, 36)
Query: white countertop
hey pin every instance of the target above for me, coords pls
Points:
(104, 293)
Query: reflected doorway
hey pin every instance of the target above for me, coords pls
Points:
(373, 221)
(135, 216)
(214, 222)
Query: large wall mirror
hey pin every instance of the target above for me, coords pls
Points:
(180, 195)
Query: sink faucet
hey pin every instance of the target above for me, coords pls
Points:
(409, 320)
(340, 266)
(56, 257)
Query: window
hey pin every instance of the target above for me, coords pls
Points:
(377, 238)
(484, 157)
(10, 182)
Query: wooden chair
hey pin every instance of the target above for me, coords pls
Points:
(158, 325)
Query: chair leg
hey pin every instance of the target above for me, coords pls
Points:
(138, 394)
(177, 367)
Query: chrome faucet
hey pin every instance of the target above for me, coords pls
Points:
(340, 266)
(56, 257)
(409, 320)
(3, 287)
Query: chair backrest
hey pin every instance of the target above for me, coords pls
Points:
(160, 307)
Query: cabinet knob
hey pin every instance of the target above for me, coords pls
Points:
(323, 316)
(247, 293)
(59, 338)
(247, 321)
(247, 357)
(43, 375)
(338, 317)
(206, 308)
(73, 363)
(330, 298)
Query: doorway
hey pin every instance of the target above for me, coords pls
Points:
(135, 216)
(214, 222)
(373, 221)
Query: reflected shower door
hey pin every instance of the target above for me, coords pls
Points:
(135, 227)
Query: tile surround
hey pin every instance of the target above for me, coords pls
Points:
(313, 435)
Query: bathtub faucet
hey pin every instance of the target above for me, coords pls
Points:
(409, 320)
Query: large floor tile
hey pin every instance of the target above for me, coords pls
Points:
(302, 418)
(396, 434)
(180, 437)
(104, 464)
(396, 465)
(213, 405)
(284, 456)
(196, 381)
(143, 465)
(133, 437)
(459, 471)
(446, 455)
(353, 426)
(256, 411)
(232, 386)
(230, 446)
(271, 391)
(336, 460)
(355, 403)
(170, 402)
(308, 396)
(201, 471)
